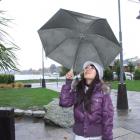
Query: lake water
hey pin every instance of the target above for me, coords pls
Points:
(32, 76)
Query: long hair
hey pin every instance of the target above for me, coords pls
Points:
(83, 97)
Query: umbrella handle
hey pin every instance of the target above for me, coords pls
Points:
(71, 70)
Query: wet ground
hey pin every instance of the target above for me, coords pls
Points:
(35, 129)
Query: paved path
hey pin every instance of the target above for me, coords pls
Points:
(126, 123)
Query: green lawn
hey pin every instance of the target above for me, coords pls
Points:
(26, 97)
(132, 85)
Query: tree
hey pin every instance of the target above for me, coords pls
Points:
(117, 69)
(131, 67)
(53, 68)
(8, 60)
(137, 74)
(108, 74)
(63, 71)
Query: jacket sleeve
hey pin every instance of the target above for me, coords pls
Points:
(108, 114)
(67, 95)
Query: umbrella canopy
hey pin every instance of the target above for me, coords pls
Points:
(71, 38)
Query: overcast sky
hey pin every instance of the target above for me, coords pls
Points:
(30, 15)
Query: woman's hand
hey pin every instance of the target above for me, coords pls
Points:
(70, 75)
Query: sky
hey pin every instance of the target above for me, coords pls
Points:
(30, 15)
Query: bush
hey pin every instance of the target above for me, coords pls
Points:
(6, 85)
(18, 85)
(12, 85)
(63, 71)
(2, 85)
(108, 74)
(11, 78)
(6, 78)
(137, 74)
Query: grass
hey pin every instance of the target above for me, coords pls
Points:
(29, 81)
(132, 85)
(26, 97)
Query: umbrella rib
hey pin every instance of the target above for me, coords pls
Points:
(59, 44)
(107, 40)
(104, 38)
(116, 41)
(94, 23)
(97, 51)
(72, 16)
(76, 54)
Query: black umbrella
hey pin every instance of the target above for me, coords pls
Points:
(71, 38)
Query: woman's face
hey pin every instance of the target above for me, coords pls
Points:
(89, 72)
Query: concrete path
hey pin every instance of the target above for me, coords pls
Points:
(126, 123)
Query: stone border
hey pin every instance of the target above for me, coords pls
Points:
(36, 113)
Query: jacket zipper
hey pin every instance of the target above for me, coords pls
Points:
(84, 119)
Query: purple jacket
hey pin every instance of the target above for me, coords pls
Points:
(97, 123)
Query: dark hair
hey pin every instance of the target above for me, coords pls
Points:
(83, 97)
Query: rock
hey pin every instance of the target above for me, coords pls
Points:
(28, 112)
(59, 115)
(50, 123)
(19, 112)
(39, 114)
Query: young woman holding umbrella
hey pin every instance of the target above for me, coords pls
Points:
(93, 109)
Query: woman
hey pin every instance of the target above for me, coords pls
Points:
(93, 109)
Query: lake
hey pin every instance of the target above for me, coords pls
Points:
(32, 76)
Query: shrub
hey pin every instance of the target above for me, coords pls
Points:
(6, 78)
(137, 74)
(12, 85)
(2, 85)
(6, 85)
(11, 78)
(108, 74)
(18, 85)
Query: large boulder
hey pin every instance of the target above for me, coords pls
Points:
(59, 115)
